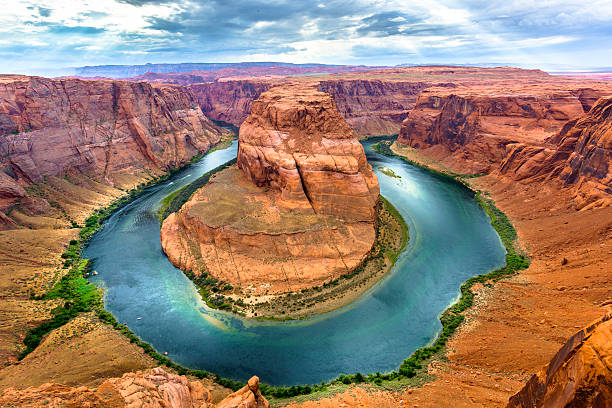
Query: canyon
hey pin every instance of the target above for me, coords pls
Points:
(542, 142)
(102, 129)
(302, 186)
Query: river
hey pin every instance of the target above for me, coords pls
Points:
(451, 240)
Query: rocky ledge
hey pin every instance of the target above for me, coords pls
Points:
(156, 389)
(579, 156)
(102, 128)
(579, 375)
(299, 210)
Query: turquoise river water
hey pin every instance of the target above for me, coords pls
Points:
(451, 240)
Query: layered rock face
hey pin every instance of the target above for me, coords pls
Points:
(229, 101)
(371, 107)
(156, 389)
(296, 141)
(578, 376)
(374, 107)
(300, 210)
(60, 126)
(477, 124)
(580, 155)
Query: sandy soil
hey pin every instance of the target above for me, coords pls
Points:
(30, 263)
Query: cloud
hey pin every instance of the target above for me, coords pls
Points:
(378, 32)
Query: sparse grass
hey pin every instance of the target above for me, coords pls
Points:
(173, 202)
(389, 172)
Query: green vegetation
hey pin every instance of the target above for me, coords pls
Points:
(173, 202)
(77, 293)
(80, 296)
(389, 172)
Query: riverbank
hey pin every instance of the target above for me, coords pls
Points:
(50, 291)
(391, 238)
(532, 313)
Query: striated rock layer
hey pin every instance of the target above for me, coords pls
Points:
(98, 128)
(478, 123)
(157, 389)
(580, 155)
(296, 141)
(300, 210)
(371, 107)
(579, 375)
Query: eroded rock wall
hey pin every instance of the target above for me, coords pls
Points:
(54, 127)
(578, 376)
(580, 156)
(300, 209)
(478, 124)
(296, 141)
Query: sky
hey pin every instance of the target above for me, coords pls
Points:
(46, 36)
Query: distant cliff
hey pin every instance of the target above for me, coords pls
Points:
(477, 124)
(580, 155)
(125, 71)
(371, 107)
(98, 128)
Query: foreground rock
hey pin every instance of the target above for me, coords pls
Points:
(580, 156)
(578, 376)
(154, 389)
(57, 127)
(300, 210)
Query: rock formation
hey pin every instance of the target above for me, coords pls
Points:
(156, 389)
(296, 141)
(299, 211)
(229, 101)
(580, 155)
(477, 123)
(99, 128)
(578, 376)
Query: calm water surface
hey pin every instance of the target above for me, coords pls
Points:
(450, 240)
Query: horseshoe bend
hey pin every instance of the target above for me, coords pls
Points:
(299, 210)
(272, 234)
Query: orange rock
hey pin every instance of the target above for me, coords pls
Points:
(157, 389)
(578, 376)
(579, 155)
(246, 397)
(303, 213)
(478, 123)
(296, 141)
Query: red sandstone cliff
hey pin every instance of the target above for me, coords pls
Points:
(60, 126)
(156, 389)
(297, 142)
(578, 376)
(374, 107)
(300, 211)
(229, 101)
(580, 155)
(371, 107)
(477, 123)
